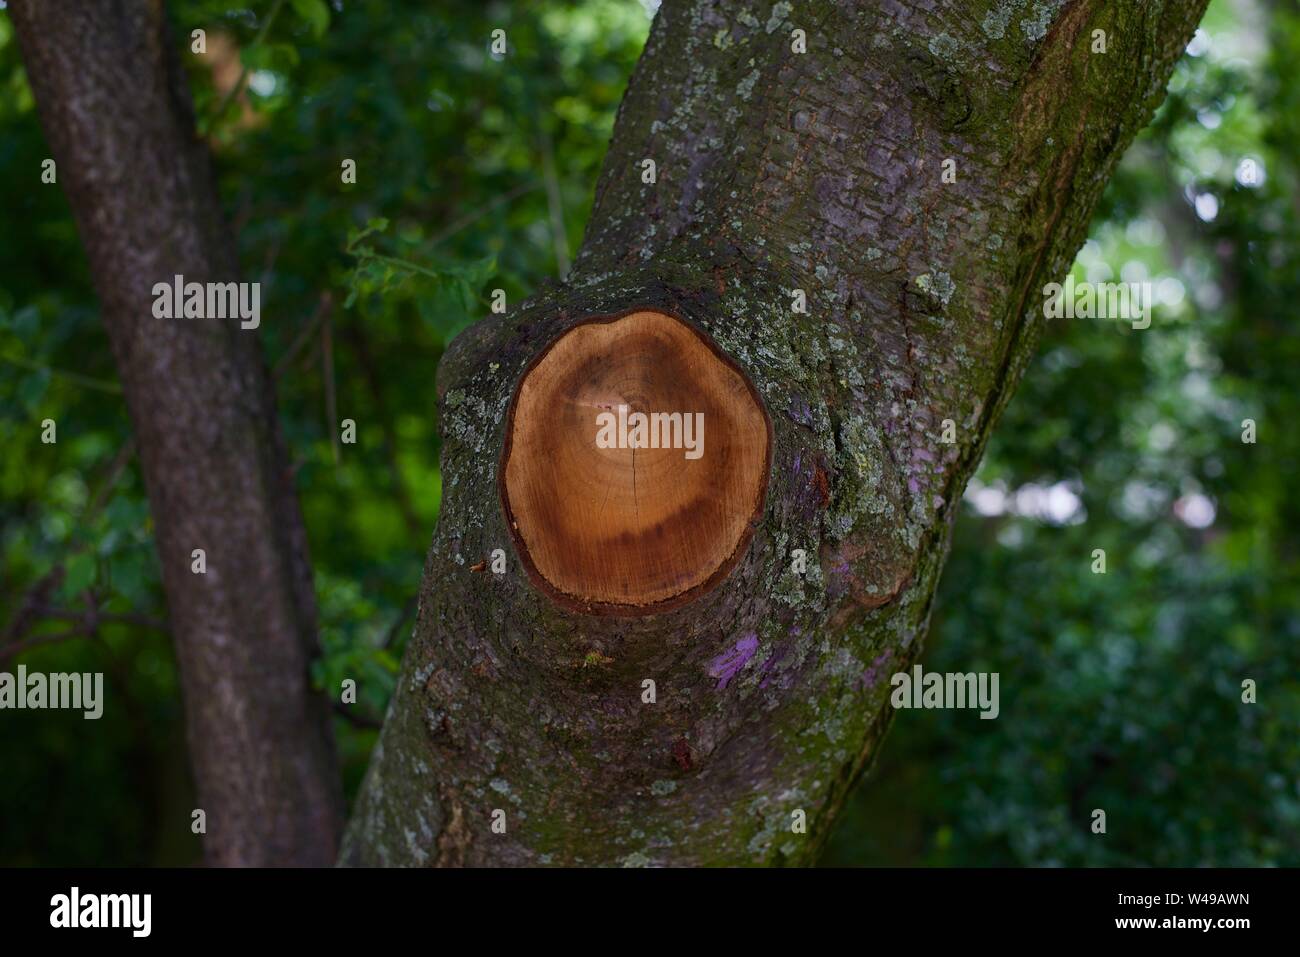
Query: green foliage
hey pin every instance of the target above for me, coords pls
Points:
(437, 289)
(316, 13)
(1119, 691)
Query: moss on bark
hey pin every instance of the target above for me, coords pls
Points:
(777, 171)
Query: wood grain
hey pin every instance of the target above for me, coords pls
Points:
(628, 530)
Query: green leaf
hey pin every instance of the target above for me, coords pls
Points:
(275, 57)
(316, 13)
(377, 225)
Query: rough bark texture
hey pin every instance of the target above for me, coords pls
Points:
(777, 171)
(116, 110)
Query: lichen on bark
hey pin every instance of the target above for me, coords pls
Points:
(777, 171)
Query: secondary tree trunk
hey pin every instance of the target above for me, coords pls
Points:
(116, 110)
(779, 176)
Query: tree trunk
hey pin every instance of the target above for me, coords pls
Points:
(115, 107)
(777, 172)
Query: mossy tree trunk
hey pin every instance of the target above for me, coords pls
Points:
(779, 175)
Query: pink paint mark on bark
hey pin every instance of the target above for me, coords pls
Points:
(801, 411)
(726, 665)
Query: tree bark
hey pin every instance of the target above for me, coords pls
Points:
(777, 171)
(115, 107)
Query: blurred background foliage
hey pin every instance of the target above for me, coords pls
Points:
(1120, 691)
